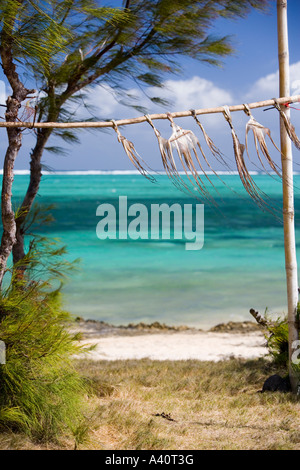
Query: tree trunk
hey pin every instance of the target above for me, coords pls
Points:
(32, 190)
(288, 193)
(8, 217)
(13, 103)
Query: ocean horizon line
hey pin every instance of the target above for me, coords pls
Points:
(132, 172)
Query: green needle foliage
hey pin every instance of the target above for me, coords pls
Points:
(41, 394)
(141, 40)
(66, 46)
(277, 341)
(63, 48)
(277, 336)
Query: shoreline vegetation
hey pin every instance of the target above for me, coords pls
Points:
(177, 405)
(91, 327)
(158, 341)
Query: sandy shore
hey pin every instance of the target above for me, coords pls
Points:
(161, 342)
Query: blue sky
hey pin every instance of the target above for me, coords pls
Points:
(250, 75)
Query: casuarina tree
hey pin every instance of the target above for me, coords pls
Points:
(66, 47)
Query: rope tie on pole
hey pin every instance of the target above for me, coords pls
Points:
(227, 115)
(247, 109)
(156, 131)
(287, 124)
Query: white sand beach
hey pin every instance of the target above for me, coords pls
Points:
(172, 345)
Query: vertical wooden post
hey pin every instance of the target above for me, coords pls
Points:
(288, 191)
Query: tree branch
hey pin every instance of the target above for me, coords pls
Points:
(90, 61)
(14, 143)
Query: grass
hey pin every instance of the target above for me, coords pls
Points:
(41, 392)
(153, 405)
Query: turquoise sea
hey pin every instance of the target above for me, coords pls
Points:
(240, 266)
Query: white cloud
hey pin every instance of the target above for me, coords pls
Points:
(101, 98)
(267, 87)
(193, 93)
(182, 95)
(295, 87)
(2, 92)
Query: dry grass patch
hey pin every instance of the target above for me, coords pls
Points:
(153, 405)
(190, 405)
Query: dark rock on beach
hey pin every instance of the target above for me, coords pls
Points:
(236, 327)
(275, 383)
(95, 327)
(92, 327)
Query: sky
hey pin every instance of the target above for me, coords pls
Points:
(251, 74)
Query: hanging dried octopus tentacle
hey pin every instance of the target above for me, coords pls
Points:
(288, 125)
(193, 144)
(212, 147)
(290, 130)
(168, 161)
(186, 160)
(248, 183)
(167, 158)
(259, 133)
(165, 147)
(215, 151)
(169, 165)
(185, 143)
(132, 154)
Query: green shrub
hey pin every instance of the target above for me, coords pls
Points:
(277, 336)
(278, 341)
(41, 393)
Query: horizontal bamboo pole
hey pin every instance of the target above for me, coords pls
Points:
(137, 120)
